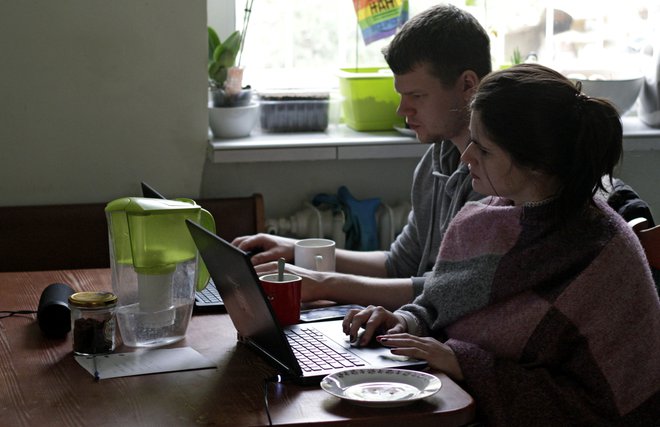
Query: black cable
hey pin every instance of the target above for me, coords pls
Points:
(8, 313)
(276, 380)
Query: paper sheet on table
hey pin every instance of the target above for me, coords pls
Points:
(144, 362)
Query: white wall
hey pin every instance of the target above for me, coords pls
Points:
(97, 95)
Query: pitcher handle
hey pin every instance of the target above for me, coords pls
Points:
(203, 276)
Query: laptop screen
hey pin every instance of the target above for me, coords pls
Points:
(245, 301)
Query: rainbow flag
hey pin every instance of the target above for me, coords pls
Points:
(380, 18)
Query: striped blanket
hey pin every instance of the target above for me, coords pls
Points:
(551, 324)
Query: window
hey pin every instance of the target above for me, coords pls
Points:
(302, 43)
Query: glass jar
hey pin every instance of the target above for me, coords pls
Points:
(93, 322)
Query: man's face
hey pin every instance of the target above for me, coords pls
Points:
(434, 111)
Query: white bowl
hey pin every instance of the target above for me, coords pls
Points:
(622, 91)
(233, 122)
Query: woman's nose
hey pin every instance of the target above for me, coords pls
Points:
(467, 157)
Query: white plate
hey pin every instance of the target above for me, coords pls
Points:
(405, 131)
(381, 387)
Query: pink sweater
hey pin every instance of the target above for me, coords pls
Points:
(551, 326)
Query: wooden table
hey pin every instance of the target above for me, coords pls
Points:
(42, 384)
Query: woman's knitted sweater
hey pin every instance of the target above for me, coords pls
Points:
(551, 324)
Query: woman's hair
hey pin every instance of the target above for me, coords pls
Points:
(445, 37)
(545, 123)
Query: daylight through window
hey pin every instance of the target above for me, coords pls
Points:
(303, 43)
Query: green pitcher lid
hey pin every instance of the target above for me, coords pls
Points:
(147, 206)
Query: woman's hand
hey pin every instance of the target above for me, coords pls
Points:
(267, 246)
(438, 355)
(374, 320)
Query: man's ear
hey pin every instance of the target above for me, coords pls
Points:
(469, 81)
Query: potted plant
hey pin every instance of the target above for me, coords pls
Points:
(232, 114)
(225, 77)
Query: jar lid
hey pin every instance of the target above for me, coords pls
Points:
(93, 299)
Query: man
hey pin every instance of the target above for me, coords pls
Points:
(438, 59)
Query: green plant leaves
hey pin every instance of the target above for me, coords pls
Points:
(214, 41)
(226, 58)
(222, 55)
(233, 42)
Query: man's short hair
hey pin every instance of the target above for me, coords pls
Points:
(445, 37)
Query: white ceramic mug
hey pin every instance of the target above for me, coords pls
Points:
(315, 254)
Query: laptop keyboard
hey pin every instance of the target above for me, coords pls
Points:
(313, 354)
(209, 296)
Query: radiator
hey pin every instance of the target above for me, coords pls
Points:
(311, 221)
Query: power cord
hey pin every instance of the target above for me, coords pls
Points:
(8, 313)
(277, 379)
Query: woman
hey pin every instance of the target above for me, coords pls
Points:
(541, 300)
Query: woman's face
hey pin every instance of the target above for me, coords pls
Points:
(494, 172)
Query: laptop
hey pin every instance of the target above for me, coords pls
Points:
(208, 299)
(150, 192)
(257, 326)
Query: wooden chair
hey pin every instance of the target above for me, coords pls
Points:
(237, 216)
(649, 238)
(54, 237)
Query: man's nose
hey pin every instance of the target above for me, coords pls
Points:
(403, 109)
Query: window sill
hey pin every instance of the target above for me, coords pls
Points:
(342, 143)
(337, 143)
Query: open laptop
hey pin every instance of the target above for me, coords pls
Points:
(208, 299)
(254, 319)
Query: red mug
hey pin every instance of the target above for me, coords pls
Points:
(284, 296)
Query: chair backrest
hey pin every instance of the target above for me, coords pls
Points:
(55, 237)
(237, 216)
(649, 238)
